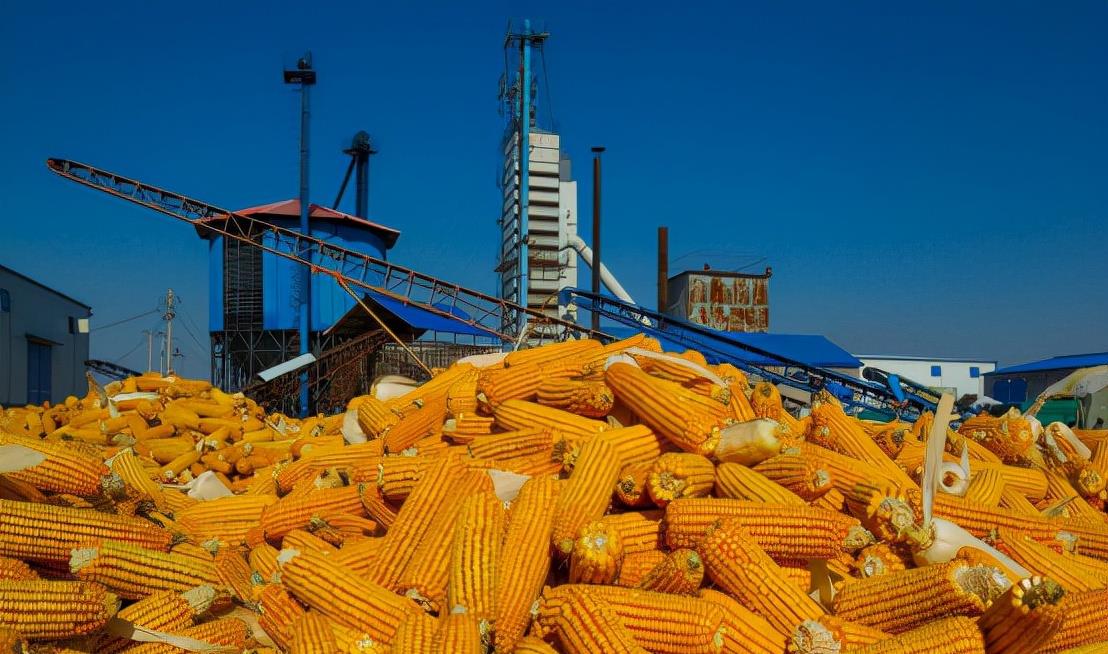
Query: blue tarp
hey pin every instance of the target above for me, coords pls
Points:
(423, 320)
(1057, 363)
(808, 349)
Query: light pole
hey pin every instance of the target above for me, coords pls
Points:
(305, 76)
(597, 150)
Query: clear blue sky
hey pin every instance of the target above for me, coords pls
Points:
(924, 179)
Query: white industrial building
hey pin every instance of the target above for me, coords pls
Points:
(43, 342)
(551, 223)
(962, 376)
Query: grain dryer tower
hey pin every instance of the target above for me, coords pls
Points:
(539, 211)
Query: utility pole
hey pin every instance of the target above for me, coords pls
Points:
(305, 76)
(169, 315)
(597, 150)
(149, 349)
(663, 269)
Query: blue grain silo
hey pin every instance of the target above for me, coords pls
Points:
(253, 294)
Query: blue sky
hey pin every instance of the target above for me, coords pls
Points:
(924, 179)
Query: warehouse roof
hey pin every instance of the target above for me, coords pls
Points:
(44, 287)
(291, 209)
(1065, 362)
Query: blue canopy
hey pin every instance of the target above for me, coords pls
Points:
(420, 319)
(1057, 363)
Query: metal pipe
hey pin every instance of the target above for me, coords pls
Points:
(596, 261)
(663, 268)
(577, 243)
(524, 149)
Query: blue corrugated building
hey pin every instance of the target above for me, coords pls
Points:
(1022, 383)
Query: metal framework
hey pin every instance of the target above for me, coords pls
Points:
(797, 374)
(110, 370)
(358, 269)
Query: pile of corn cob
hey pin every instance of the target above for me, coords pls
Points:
(577, 498)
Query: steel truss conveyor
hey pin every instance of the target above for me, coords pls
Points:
(348, 267)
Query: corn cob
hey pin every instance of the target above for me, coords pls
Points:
(832, 634)
(788, 531)
(737, 565)
(360, 455)
(1059, 488)
(12, 489)
(905, 600)
(415, 634)
(661, 623)
(670, 410)
(638, 531)
(461, 395)
(633, 444)
(464, 427)
(676, 475)
(1043, 561)
(377, 507)
(743, 630)
(395, 476)
(231, 633)
(425, 420)
(637, 565)
(133, 572)
(163, 611)
(263, 563)
(475, 555)
(589, 399)
(532, 645)
(514, 415)
(832, 428)
(986, 487)
(680, 573)
(587, 493)
(302, 540)
(297, 512)
(1016, 502)
(954, 635)
(553, 352)
(846, 472)
(63, 469)
(1085, 616)
(585, 625)
(736, 481)
(631, 485)
(1008, 437)
(311, 633)
(496, 385)
(511, 444)
(15, 570)
(458, 633)
(349, 600)
(878, 559)
(41, 610)
(1023, 618)
(426, 577)
(11, 642)
(278, 611)
(765, 402)
(596, 555)
(226, 518)
(524, 560)
(44, 533)
(798, 474)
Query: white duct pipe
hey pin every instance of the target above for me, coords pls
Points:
(574, 241)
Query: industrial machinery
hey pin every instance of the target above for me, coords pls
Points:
(354, 271)
(110, 370)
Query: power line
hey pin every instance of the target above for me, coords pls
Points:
(120, 322)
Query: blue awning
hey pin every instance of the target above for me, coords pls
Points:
(420, 319)
(1067, 362)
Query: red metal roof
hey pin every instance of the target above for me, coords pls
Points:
(291, 209)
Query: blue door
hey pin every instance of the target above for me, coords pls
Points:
(38, 373)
